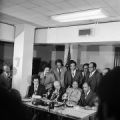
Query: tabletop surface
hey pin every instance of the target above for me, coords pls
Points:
(72, 112)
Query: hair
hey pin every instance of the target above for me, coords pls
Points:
(108, 93)
(94, 64)
(73, 62)
(108, 69)
(59, 61)
(86, 64)
(35, 77)
(87, 83)
(47, 66)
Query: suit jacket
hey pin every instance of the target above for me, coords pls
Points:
(47, 80)
(88, 101)
(94, 81)
(85, 77)
(69, 79)
(61, 76)
(73, 95)
(40, 90)
(53, 95)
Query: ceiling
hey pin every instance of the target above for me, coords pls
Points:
(38, 12)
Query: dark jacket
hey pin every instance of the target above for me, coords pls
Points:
(88, 101)
(69, 79)
(53, 96)
(94, 81)
(5, 81)
(40, 91)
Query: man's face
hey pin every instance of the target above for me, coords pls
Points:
(36, 82)
(91, 68)
(86, 88)
(85, 68)
(58, 65)
(46, 70)
(72, 66)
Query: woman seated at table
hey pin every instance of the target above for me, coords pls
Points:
(73, 94)
(57, 92)
(36, 88)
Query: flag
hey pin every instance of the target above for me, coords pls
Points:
(68, 59)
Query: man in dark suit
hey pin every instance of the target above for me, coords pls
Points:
(85, 73)
(94, 77)
(87, 96)
(36, 88)
(73, 75)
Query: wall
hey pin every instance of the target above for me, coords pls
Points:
(6, 32)
(6, 52)
(103, 55)
(101, 33)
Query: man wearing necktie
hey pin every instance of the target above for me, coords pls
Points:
(73, 75)
(59, 72)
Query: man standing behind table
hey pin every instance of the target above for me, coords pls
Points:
(47, 78)
(94, 77)
(85, 73)
(73, 75)
(59, 72)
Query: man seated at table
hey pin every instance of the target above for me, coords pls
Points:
(36, 88)
(73, 94)
(87, 99)
(57, 92)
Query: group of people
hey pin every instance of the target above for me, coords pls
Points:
(77, 88)
(74, 86)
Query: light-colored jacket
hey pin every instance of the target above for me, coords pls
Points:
(47, 80)
(73, 95)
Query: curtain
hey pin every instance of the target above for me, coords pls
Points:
(117, 56)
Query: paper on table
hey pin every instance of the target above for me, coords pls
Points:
(81, 113)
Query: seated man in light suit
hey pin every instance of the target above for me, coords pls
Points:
(46, 78)
(59, 72)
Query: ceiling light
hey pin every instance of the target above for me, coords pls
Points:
(77, 16)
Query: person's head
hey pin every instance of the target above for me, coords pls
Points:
(36, 81)
(46, 69)
(6, 69)
(59, 63)
(105, 71)
(75, 84)
(85, 67)
(57, 85)
(86, 87)
(11, 105)
(72, 65)
(92, 66)
(108, 93)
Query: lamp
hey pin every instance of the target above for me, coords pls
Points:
(77, 16)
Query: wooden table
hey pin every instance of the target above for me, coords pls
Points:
(80, 113)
